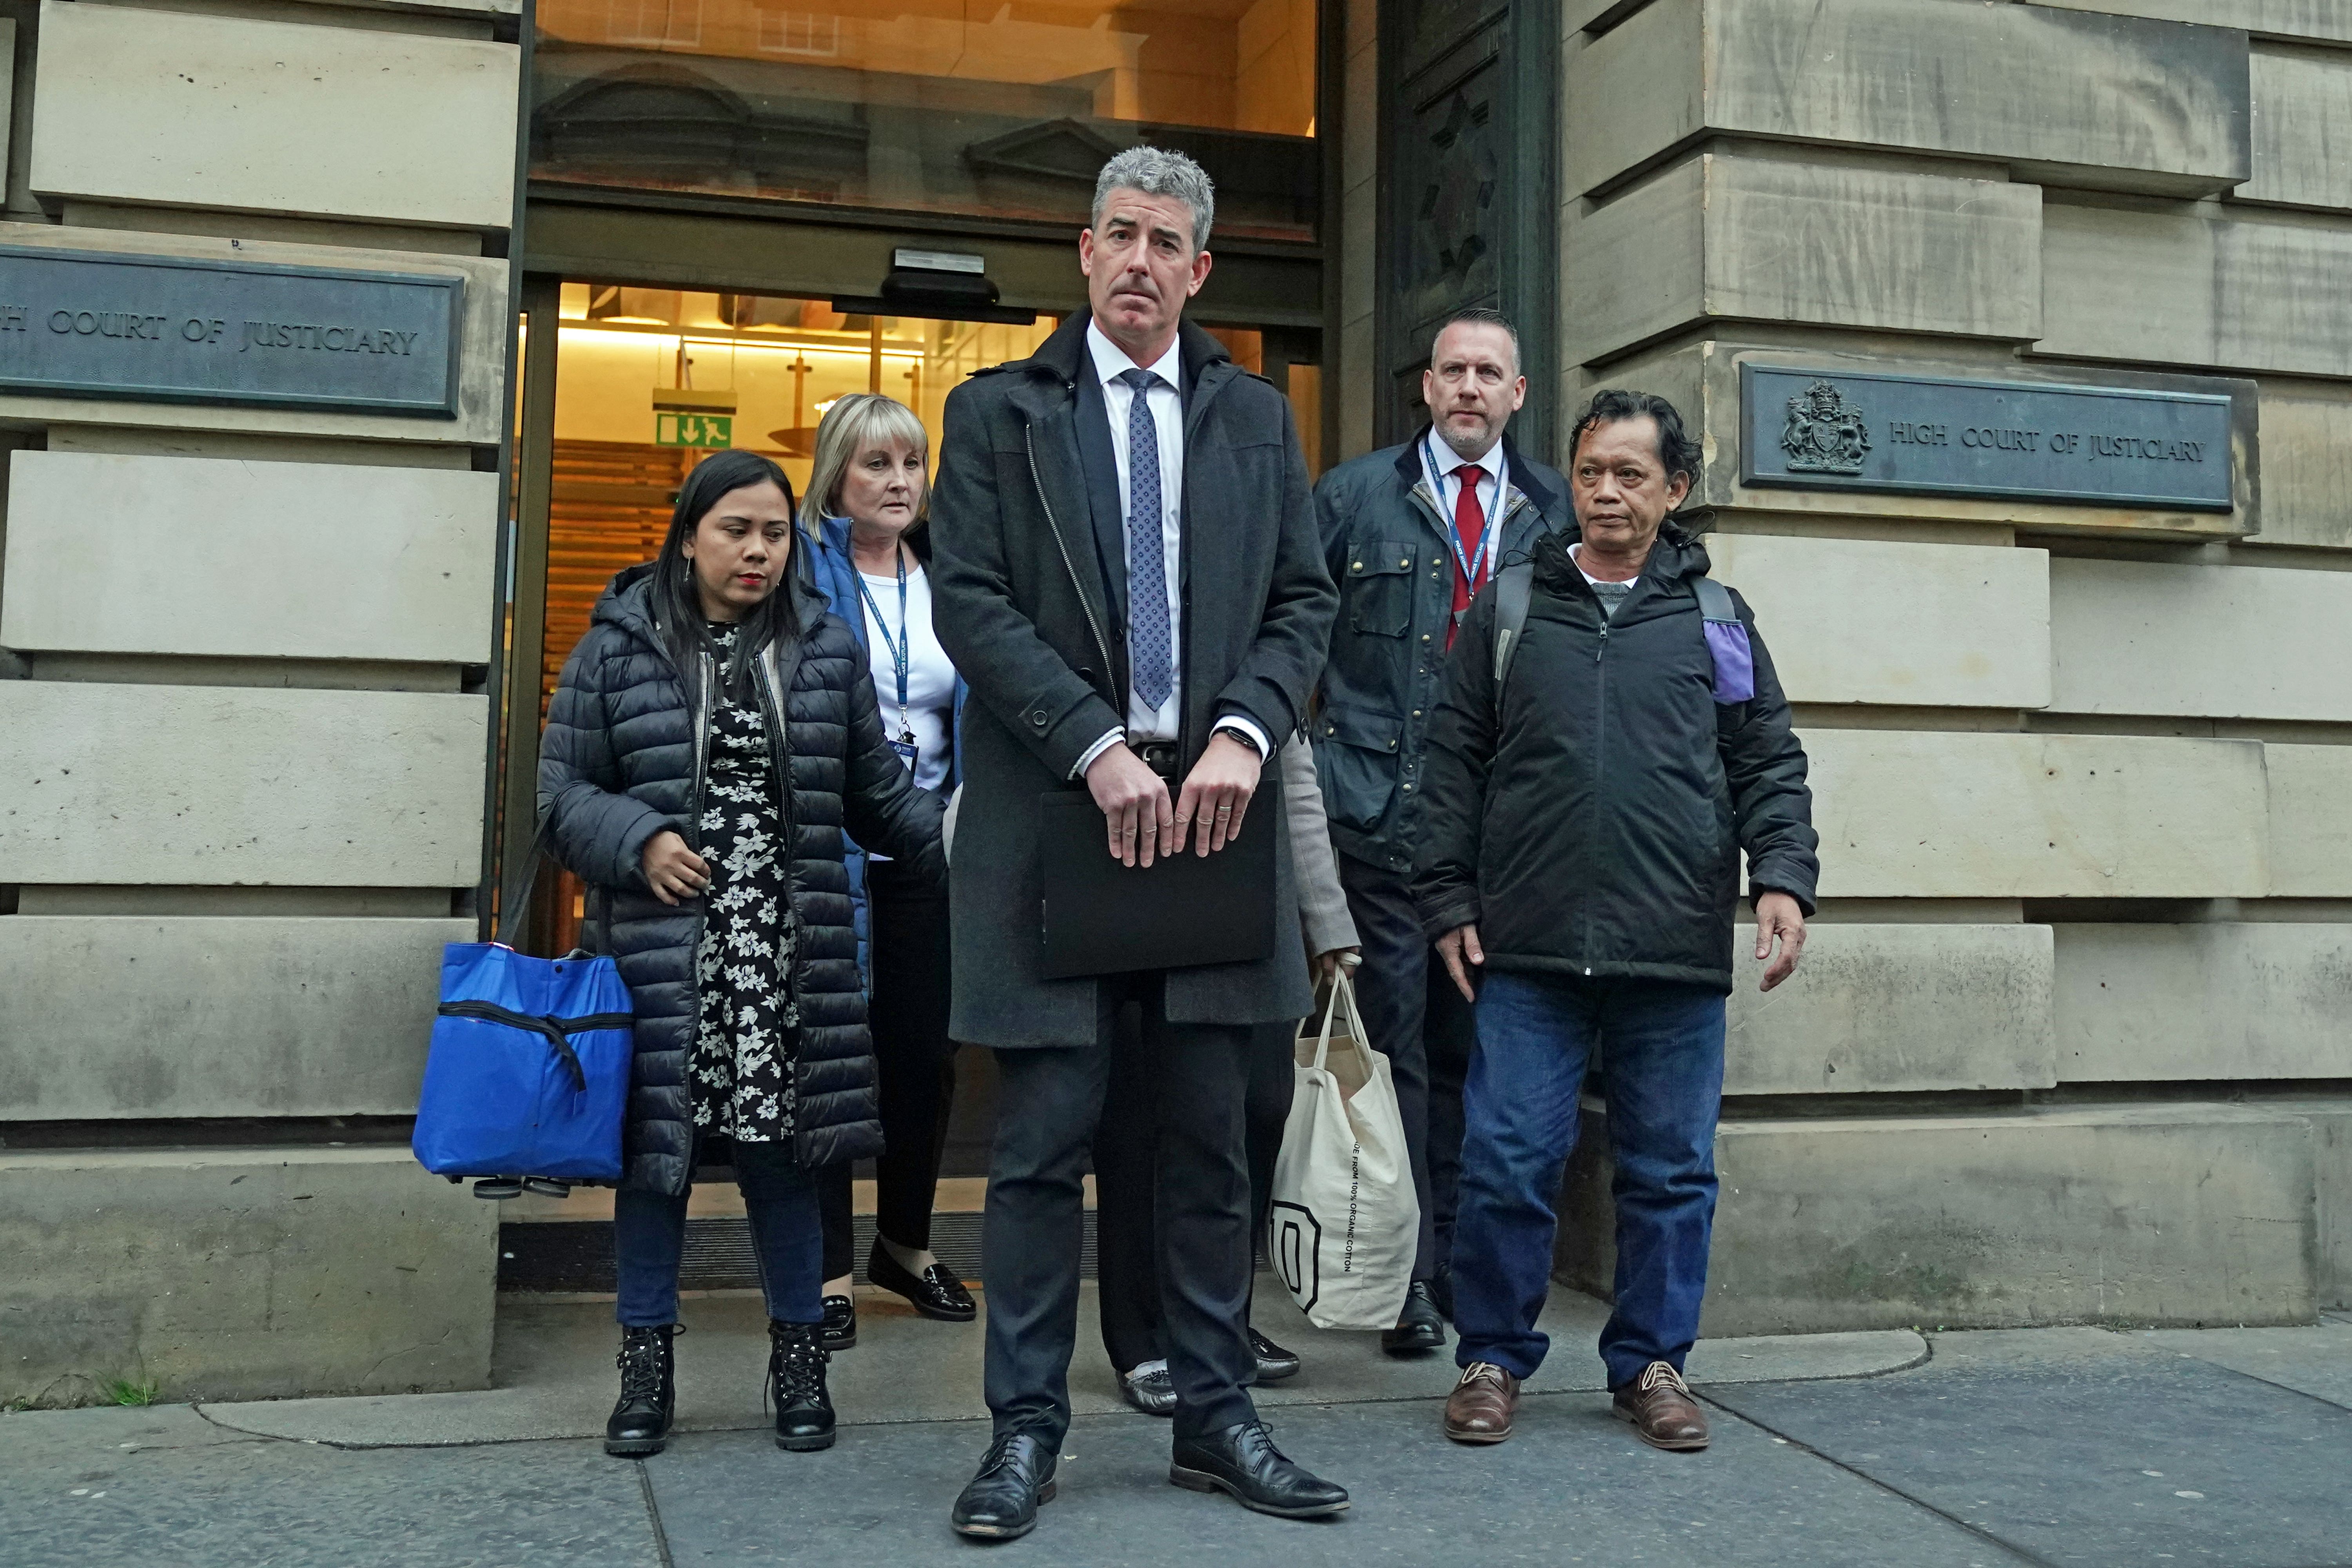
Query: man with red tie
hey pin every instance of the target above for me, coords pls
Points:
(1411, 533)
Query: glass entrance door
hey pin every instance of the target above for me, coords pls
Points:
(648, 381)
(627, 387)
(645, 382)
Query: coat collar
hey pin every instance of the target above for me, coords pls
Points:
(1676, 555)
(1528, 482)
(1523, 475)
(1064, 354)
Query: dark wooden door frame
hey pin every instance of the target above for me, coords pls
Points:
(526, 619)
(1468, 205)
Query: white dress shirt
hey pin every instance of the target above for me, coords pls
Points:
(1440, 461)
(1164, 722)
(931, 674)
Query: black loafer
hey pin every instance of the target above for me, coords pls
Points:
(1153, 1391)
(1273, 1363)
(840, 1324)
(1000, 1502)
(1418, 1328)
(1243, 1462)
(935, 1292)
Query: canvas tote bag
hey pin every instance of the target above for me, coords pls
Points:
(1345, 1222)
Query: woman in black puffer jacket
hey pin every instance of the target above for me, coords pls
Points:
(709, 740)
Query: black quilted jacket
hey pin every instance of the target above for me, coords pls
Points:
(617, 765)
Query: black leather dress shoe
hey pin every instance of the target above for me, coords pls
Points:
(1000, 1502)
(1418, 1327)
(1273, 1363)
(840, 1324)
(1243, 1462)
(935, 1292)
(639, 1425)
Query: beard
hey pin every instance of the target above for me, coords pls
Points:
(1469, 445)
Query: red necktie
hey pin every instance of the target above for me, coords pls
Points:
(1470, 525)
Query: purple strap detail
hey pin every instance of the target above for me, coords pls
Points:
(1735, 665)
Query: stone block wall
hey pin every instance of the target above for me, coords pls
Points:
(244, 720)
(2073, 1040)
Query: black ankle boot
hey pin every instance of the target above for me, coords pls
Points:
(639, 1423)
(796, 1358)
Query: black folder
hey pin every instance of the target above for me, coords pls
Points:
(1106, 918)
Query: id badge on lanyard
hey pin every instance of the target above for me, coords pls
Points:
(1489, 540)
(902, 649)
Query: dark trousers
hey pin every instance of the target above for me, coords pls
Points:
(908, 929)
(1661, 1047)
(650, 1238)
(1126, 1240)
(1050, 1101)
(1422, 1023)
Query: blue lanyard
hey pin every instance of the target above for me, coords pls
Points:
(1486, 540)
(901, 646)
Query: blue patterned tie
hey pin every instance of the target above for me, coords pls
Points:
(1149, 644)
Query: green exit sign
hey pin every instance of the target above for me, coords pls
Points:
(711, 430)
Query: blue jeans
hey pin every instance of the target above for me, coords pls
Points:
(1662, 1075)
(787, 1238)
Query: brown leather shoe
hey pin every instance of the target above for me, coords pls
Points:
(1659, 1404)
(1480, 1408)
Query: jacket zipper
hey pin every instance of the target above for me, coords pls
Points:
(780, 763)
(1029, 440)
(1600, 737)
(701, 752)
(694, 820)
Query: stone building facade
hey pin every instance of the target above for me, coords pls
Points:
(2074, 1033)
(2073, 1039)
(243, 751)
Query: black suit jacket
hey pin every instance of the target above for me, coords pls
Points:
(1028, 598)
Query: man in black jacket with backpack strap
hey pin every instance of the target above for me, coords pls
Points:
(1410, 534)
(1611, 740)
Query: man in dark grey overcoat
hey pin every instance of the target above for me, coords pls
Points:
(1127, 574)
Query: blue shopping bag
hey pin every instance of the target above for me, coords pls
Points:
(529, 1073)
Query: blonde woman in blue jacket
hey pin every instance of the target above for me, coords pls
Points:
(863, 518)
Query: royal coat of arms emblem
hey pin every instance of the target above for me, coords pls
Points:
(1825, 434)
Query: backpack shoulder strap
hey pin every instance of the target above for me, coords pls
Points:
(1726, 642)
(1514, 587)
(1713, 600)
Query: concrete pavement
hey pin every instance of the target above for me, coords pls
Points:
(2049, 1446)
(554, 1370)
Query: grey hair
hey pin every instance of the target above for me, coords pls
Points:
(1156, 172)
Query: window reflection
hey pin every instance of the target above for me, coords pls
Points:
(1003, 107)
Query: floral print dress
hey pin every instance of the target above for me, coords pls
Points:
(747, 1037)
